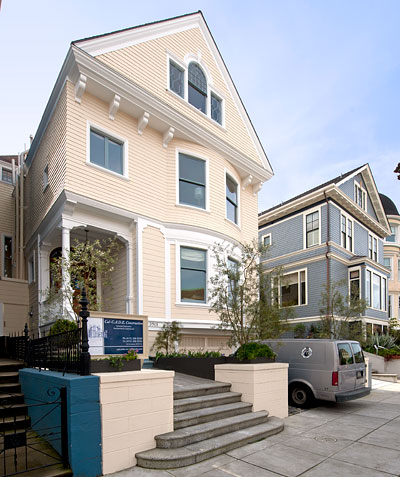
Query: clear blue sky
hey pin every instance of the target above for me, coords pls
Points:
(319, 79)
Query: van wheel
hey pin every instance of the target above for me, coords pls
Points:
(300, 396)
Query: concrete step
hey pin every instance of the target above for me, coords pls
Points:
(10, 388)
(53, 471)
(6, 367)
(199, 451)
(199, 402)
(200, 432)
(391, 378)
(11, 398)
(199, 416)
(15, 422)
(201, 390)
(9, 377)
(9, 410)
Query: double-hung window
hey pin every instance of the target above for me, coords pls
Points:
(312, 229)
(231, 199)
(197, 87)
(216, 108)
(359, 195)
(372, 248)
(347, 233)
(387, 261)
(6, 175)
(293, 289)
(106, 152)
(193, 275)
(376, 290)
(7, 256)
(354, 283)
(192, 181)
(176, 79)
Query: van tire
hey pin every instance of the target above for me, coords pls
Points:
(300, 395)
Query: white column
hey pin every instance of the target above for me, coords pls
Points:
(139, 265)
(129, 280)
(66, 278)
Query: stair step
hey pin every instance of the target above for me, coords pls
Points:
(11, 398)
(197, 452)
(53, 471)
(199, 402)
(7, 368)
(10, 388)
(10, 410)
(199, 416)
(9, 377)
(201, 390)
(17, 422)
(200, 432)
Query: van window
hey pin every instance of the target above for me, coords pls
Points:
(358, 354)
(345, 354)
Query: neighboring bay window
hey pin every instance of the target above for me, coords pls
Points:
(231, 199)
(193, 275)
(387, 262)
(312, 229)
(192, 181)
(392, 237)
(293, 289)
(176, 79)
(106, 152)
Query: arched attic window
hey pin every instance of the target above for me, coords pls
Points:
(197, 87)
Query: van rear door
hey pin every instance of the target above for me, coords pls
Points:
(359, 365)
(347, 371)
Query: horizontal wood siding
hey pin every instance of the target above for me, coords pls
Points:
(153, 273)
(146, 65)
(15, 300)
(114, 295)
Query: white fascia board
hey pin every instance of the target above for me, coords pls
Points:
(134, 36)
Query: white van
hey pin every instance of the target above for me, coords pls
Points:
(333, 370)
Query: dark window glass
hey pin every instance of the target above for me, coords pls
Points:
(6, 175)
(231, 199)
(106, 152)
(216, 109)
(267, 240)
(303, 288)
(193, 275)
(176, 76)
(233, 279)
(345, 354)
(8, 257)
(344, 231)
(312, 226)
(192, 181)
(391, 238)
(197, 87)
(290, 290)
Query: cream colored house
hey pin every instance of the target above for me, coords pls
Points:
(145, 138)
(13, 286)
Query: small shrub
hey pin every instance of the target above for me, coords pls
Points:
(299, 330)
(189, 354)
(63, 325)
(118, 361)
(254, 350)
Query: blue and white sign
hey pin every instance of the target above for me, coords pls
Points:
(122, 335)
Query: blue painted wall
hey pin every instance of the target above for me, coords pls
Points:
(84, 426)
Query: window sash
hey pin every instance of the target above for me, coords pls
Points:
(312, 229)
(293, 289)
(231, 199)
(176, 79)
(216, 109)
(192, 181)
(6, 175)
(193, 265)
(106, 152)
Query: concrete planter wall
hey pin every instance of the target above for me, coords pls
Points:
(104, 366)
(202, 367)
(264, 385)
(381, 366)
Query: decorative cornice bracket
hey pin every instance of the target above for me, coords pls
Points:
(114, 106)
(247, 181)
(257, 187)
(143, 121)
(167, 137)
(80, 87)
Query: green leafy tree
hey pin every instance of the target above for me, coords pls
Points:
(167, 337)
(85, 263)
(340, 313)
(243, 295)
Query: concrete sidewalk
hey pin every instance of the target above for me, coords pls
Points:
(357, 438)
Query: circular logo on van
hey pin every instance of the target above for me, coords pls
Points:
(306, 352)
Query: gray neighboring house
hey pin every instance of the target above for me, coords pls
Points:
(331, 233)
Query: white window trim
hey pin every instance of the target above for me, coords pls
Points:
(355, 269)
(391, 266)
(264, 236)
(178, 301)
(298, 271)
(184, 65)
(356, 183)
(237, 181)
(9, 169)
(347, 217)
(308, 212)
(3, 262)
(377, 246)
(384, 309)
(196, 156)
(90, 125)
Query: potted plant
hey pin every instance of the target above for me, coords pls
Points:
(115, 363)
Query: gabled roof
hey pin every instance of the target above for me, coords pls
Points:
(331, 189)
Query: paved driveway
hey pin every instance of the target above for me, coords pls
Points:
(359, 438)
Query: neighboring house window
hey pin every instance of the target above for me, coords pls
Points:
(376, 291)
(192, 181)
(376, 287)
(390, 306)
(354, 282)
(193, 275)
(359, 195)
(392, 238)
(266, 240)
(31, 269)
(231, 199)
(45, 177)
(216, 108)
(368, 288)
(312, 229)
(387, 262)
(6, 175)
(293, 289)
(7, 256)
(347, 233)
(176, 79)
(372, 248)
(197, 87)
(106, 152)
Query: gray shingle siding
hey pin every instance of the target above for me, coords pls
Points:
(360, 240)
(348, 188)
(335, 215)
(286, 236)
(302, 255)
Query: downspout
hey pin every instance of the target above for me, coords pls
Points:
(328, 238)
(17, 187)
(21, 219)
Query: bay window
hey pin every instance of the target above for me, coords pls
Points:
(193, 265)
(231, 199)
(376, 290)
(192, 181)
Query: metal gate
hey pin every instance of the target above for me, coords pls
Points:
(33, 435)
